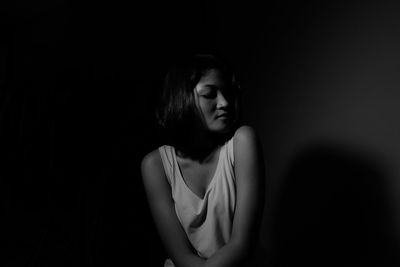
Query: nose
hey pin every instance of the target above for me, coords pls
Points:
(222, 102)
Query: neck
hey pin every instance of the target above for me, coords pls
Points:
(202, 146)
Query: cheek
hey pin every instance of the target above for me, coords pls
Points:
(205, 106)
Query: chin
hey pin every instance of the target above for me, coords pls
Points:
(221, 127)
(222, 130)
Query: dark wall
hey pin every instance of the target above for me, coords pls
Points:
(78, 86)
(324, 95)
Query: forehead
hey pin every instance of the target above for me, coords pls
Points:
(212, 77)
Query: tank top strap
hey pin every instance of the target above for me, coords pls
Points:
(230, 154)
(167, 158)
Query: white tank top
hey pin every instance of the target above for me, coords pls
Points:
(208, 221)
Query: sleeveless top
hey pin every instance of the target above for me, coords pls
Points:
(208, 221)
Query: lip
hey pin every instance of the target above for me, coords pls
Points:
(224, 115)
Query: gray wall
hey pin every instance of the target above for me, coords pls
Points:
(323, 89)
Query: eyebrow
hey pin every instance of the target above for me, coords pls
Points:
(207, 86)
(211, 86)
(214, 86)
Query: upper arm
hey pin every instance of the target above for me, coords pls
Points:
(161, 204)
(250, 182)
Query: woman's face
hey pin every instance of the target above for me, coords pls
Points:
(212, 95)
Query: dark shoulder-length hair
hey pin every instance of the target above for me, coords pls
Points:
(177, 113)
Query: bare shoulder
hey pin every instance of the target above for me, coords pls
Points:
(151, 166)
(245, 130)
(151, 160)
(247, 147)
(245, 136)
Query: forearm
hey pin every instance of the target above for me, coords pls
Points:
(189, 260)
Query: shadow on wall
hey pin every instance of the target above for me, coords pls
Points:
(332, 212)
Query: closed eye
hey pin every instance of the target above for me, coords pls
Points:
(210, 95)
(209, 92)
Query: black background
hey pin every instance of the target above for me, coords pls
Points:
(78, 87)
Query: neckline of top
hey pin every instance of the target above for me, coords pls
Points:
(212, 181)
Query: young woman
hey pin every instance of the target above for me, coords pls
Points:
(205, 187)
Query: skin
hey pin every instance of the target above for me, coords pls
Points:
(249, 174)
(211, 98)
